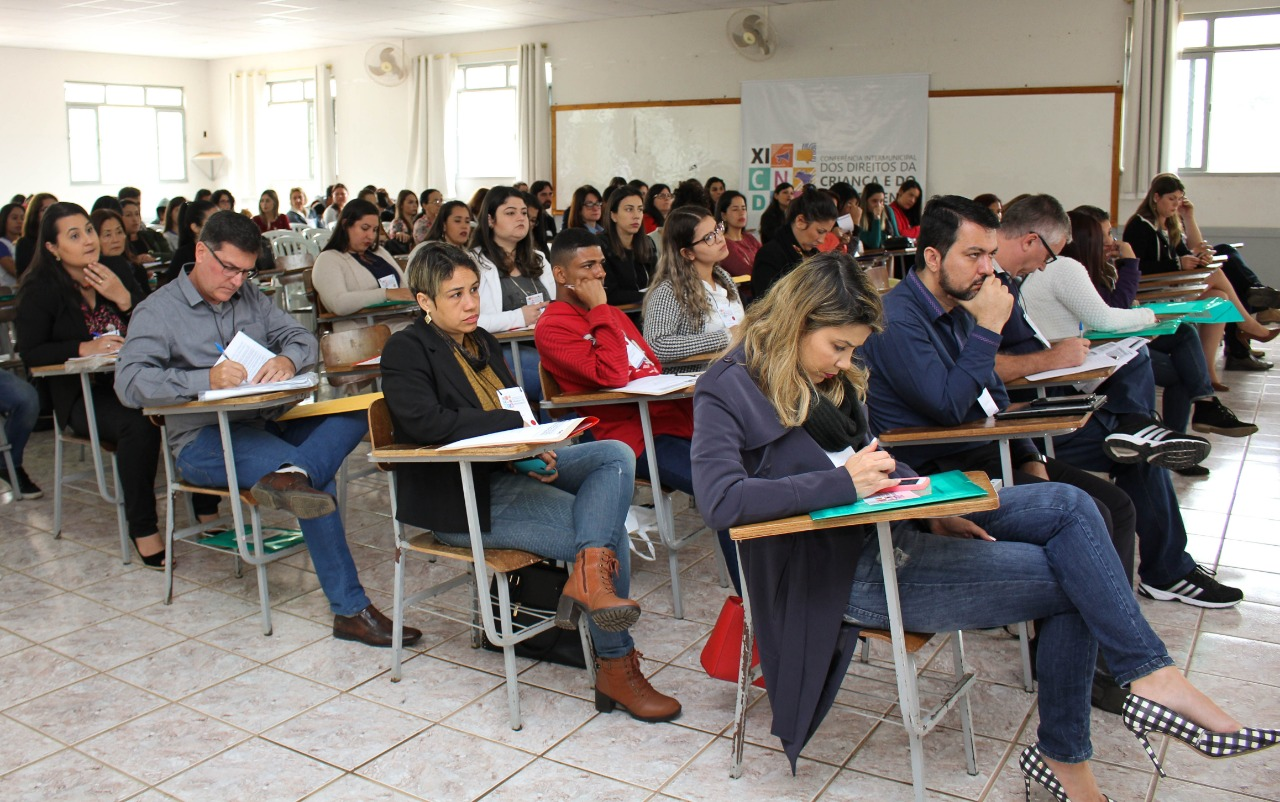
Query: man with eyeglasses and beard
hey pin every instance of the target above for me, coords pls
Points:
(176, 338)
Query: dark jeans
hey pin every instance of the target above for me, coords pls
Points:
(677, 472)
(20, 406)
(1177, 361)
(1242, 279)
(1114, 506)
(1131, 390)
(137, 442)
(1162, 537)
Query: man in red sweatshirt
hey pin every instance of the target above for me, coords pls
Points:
(589, 346)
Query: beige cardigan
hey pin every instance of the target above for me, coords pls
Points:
(345, 287)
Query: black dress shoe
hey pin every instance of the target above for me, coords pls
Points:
(1263, 297)
(292, 492)
(1246, 363)
(370, 627)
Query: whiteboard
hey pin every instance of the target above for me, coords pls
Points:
(1007, 144)
(1010, 144)
(657, 144)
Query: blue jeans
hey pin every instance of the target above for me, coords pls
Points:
(1162, 536)
(318, 445)
(585, 507)
(1178, 363)
(677, 472)
(1131, 390)
(1052, 561)
(20, 405)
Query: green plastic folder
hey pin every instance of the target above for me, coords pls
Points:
(1208, 310)
(1159, 329)
(949, 486)
(273, 539)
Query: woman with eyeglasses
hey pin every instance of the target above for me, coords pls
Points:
(657, 203)
(72, 305)
(629, 256)
(430, 204)
(353, 272)
(585, 210)
(692, 305)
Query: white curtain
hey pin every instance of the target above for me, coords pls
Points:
(248, 95)
(534, 115)
(1148, 89)
(326, 141)
(431, 154)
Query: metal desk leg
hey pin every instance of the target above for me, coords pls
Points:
(908, 699)
(666, 521)
(1006, 463)
(515, 364)
(100, 471)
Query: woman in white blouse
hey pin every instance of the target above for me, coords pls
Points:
(353, 272)
(692, 303)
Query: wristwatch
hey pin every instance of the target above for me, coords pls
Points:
(1036, 457)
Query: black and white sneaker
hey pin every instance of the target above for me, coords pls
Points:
(1198, 588)
(1157, 445)
(1214, 417)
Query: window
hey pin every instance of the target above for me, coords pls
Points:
(289, 140)
(119, 134)
(1226, 106)
(486, 125)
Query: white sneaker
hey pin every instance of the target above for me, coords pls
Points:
(1157, 445)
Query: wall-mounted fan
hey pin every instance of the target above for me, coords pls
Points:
(385, 64)
(751, 35)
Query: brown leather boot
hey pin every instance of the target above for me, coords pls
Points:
(619, 682)
(590, 588)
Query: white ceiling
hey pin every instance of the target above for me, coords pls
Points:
(209, 29)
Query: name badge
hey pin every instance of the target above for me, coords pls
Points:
(513, 398)
(988, 403)
(390, 282)
(636, 356)
(728, 314)
(535, 298)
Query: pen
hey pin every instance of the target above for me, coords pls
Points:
(220, 349)
(1082, 328)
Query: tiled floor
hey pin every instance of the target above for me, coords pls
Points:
(105, 693)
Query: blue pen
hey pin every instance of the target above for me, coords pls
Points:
(1082, 328)
(219, 347)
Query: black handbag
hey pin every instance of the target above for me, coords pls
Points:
(539, 586)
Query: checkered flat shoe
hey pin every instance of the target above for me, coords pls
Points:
(1143, 717)
(1034, 768)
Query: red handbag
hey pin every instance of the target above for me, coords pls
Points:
(723, 652)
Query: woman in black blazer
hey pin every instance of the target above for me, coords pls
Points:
(442, 378)
(71, 305)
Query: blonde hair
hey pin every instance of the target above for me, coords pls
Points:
(826, 290)
(1163, 184)
(677, 235)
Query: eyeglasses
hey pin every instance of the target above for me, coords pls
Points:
(717, 233)
(1053, 257)
(230, 271)
(664, 196)
(592, 205)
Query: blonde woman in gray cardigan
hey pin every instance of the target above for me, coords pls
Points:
(692, 303)
(353, 272)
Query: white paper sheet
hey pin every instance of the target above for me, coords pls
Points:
(543, 433)
(248, 352)
(657, 385)
(302, 381)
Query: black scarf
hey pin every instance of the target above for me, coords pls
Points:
(836, 428)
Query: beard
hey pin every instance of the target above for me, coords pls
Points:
(960, 293)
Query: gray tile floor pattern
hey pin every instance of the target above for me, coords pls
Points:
(106, 693)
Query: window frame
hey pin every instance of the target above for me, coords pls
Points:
(460, 84)
(179, 109)
(313, 161)
(1207, 52)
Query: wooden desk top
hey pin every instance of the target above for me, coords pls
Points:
(693, 359)
(742, 279)
(514, 335)
(569, 401)
(377, 310)
(411, 453)
(237, 404)
(1182, 291)
(72, 369)
(1072, 378)
(1175, 276)
(803, 523)
(987, 429)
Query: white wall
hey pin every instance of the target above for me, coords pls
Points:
(34, 136)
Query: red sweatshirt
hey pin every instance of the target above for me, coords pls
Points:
(586, 352)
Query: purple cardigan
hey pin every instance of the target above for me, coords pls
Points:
(1126, 288)
(748, 467)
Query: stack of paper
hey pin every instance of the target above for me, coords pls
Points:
(543, 433)
(658, 385)
(303, 381)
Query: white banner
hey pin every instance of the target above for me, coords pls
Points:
(857, 129)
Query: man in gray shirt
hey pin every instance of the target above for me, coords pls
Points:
(175, 339)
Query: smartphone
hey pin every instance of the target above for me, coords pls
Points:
(533, 465)
(912, 483)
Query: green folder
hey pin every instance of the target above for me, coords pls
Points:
(948, 486)
(1159, 329)
(273, 539)
(1207, 310)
